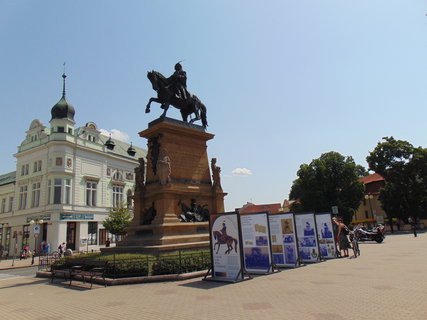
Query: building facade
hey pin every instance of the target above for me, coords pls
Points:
(370, 210)
(66, 181)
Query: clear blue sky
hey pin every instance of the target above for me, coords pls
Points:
(283, 81)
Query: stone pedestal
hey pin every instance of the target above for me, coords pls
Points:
(177, 177)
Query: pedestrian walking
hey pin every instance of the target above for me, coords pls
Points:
(413, 222)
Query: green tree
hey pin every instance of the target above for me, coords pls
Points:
(404, 168)
(118, 220)
(331, 180)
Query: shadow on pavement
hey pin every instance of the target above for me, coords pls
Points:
(206, 285)
(23, 284)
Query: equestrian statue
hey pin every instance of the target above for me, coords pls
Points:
(173, 91)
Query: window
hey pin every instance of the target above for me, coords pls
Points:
(37, 166)
(117, 195)
(102, 236)
(1, 235)
(25, 235)
(3, 205)
(35, 200)
(23, 197)
(92, 232)
(10, 204)
(61, 129)
(117, 176)
(25, 169)
(70, 130)
(49, 191)
(91, 193)
(67, 189)
(7, 239)
(58, 161)
(57, 191)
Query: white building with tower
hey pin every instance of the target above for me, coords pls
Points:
(66, 181)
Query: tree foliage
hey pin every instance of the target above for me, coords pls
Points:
(331, 180)
(404, 168)
(118, 220)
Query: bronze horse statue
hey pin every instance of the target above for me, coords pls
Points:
(228, 240)
(166, 97)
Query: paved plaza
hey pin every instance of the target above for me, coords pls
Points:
(388, 281)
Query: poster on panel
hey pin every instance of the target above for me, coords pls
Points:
(225, 242)
(256, 242)
(283, 240)
(307, 237)
(326, 235)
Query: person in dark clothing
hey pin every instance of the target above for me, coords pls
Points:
(343, 242)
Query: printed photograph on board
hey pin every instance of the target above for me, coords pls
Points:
(290, 254)
(278, 259)
(257, 258)
(287, 226)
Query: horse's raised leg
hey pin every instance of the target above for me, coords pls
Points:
(147, 109)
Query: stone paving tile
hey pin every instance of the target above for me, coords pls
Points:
(388, 281)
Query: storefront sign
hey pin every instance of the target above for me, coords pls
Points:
(76, 216)
(44, 217)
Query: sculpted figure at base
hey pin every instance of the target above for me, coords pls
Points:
(140, 175)
(148, 215)
(173, 91)
(216, 174)
(194, 212)
(164, 167)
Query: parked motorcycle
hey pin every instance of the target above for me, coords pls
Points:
(376, 234)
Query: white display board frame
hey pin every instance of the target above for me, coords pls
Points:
(226, 248)
(308, 242)
(325, 234)
(256, 244)
(284, 245)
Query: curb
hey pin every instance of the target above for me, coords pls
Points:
(18, 267)
(121, 281)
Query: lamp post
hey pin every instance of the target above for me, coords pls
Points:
(36, 234)
(369, 197)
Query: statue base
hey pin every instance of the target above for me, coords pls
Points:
(166, 195)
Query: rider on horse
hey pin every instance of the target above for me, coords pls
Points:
(224, 232)
(178, 82)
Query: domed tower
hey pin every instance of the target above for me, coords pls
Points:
(62, 114)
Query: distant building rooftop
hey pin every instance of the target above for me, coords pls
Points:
(254, 208)
(7, 178)
(372, 178)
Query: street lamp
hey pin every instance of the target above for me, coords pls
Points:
(369, 197)
(36, 234)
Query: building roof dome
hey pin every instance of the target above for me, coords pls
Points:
(62, 109)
